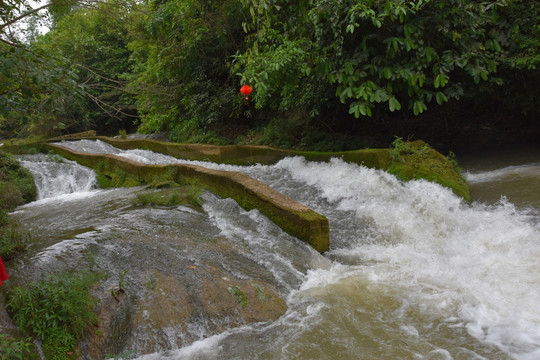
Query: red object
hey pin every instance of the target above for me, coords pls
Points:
(3, 273)
(246, 90)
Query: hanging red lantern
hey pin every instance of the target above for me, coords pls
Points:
(246, 90)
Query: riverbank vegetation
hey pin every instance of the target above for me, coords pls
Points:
(56, 311)
(16, 187)
(327, 75)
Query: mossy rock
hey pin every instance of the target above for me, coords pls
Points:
(420, 161)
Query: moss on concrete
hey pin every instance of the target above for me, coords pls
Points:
(419, 161)
(247, 154)
(293, 217)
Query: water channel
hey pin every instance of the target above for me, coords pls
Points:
(413, 272)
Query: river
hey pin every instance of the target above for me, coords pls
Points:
(413, 272)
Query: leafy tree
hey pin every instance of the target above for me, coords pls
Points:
(386, 55)
(27, 72)
(70, 79)
(27, 75)
(94, 43)
(182, 50)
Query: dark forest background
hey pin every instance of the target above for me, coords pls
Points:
(326, 74)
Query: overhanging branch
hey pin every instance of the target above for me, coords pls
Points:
(22, 16)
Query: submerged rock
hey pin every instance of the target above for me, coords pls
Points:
(185, 286)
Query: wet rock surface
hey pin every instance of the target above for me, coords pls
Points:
(180, 299)
(167, 276)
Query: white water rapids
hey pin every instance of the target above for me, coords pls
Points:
(413, 272)
(59, 177)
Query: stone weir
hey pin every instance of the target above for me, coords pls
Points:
(293, 217)
(246, 154)
(415, 160)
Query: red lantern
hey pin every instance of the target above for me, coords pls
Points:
(246, 90)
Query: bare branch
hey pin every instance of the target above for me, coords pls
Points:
(103, 105)
(22, 16)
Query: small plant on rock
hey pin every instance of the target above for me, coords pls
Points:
(399, 148)
(120, 288)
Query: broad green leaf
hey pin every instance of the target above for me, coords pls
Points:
(441, 98)
(394, 104)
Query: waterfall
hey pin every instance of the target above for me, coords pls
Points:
(55, 176)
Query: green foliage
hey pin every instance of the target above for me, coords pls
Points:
(182, 51)
(29, 77)
(16, 187)
(70, 79)
(176, 66)
(398, 149)
(12, 241)
(16, 183)
(56, 311)
(54, 157)
(283, 132)
(95, 43)
(381, 55)
(453, 160)
(11, 348)
(122, 134)
(122, 279)
(124, 355)
(120, 288)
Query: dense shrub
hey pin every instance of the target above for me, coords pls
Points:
(56, 311)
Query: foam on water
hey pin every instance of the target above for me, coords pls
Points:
(520, 171)
(396, 249)
(477, 262)
(55, 178)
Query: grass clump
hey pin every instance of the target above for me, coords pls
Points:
(11, 348)
(122, 134)
(56, 311)
(398, 149)
(12, 241)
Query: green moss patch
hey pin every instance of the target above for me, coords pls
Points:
(417, 160)
(247, 154)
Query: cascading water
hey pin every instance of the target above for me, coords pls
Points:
(413, 272)
(54, 176)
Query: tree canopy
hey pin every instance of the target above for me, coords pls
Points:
(177, 65)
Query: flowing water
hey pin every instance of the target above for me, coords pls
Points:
(413, 272)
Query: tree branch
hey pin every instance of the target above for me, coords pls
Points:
(22, 16)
